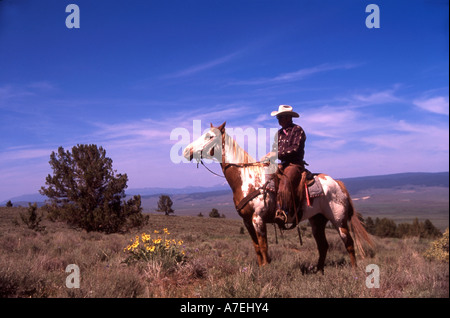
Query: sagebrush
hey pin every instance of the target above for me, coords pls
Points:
(218, 262)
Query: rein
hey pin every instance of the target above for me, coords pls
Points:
(250, 164)
(203, 164)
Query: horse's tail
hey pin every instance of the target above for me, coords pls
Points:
(356, 224)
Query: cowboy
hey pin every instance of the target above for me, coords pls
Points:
(291, 151)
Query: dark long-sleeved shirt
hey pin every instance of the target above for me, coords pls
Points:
(291, 144)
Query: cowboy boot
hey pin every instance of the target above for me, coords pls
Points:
(280, 217)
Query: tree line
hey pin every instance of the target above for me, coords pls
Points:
(386, 227)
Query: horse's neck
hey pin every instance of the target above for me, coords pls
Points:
(234, 153)
(241, 178)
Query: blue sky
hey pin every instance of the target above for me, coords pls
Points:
(372, 101)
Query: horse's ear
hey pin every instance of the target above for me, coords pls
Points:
(211, 125)
(222, 127)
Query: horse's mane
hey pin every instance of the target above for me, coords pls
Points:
(251, 175)
(239, 155)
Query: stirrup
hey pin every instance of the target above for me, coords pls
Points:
(281, 215)
(280, 219)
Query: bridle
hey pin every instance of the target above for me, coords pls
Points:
(201, 157)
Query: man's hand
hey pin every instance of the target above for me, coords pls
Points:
(271, 156)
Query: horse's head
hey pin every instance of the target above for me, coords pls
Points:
(208, 146)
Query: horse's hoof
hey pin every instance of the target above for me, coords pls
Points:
(319, 270)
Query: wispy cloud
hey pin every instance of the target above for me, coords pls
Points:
(192, 70)
(146, 129)
(17, 98)
(150, 135)
(383, 97)
(368, 98)
(9, 92)
(329, 122)
(297, 75)
(215, 114)
(342, 117)
(437, 105)
(345, 127)
(412, 142)
(19, 154)
(355, 144)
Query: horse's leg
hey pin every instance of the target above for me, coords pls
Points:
(348, 242)
(318, 223)
(261, 233)
(345, 210)
(251, 230)
(342, 228)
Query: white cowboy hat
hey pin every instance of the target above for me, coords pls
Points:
(284, 110)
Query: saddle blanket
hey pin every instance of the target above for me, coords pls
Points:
(315, 188)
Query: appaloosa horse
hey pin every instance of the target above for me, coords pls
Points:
(246, 176)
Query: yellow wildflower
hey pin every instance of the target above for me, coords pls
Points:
(144, 247)
(145, 237)
(136, 243)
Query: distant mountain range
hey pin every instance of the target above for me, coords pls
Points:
(171, 191)
(424, 179)
(354, 185)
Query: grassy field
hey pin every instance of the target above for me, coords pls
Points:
(220, 263)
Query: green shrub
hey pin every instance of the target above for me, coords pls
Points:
(214, 213)
(32, 219)
(86, 192)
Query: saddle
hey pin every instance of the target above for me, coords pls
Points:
(311, 190)
(308, 188)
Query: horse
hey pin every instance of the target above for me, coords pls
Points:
(246, 176)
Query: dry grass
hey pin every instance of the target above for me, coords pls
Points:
(220, 263)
